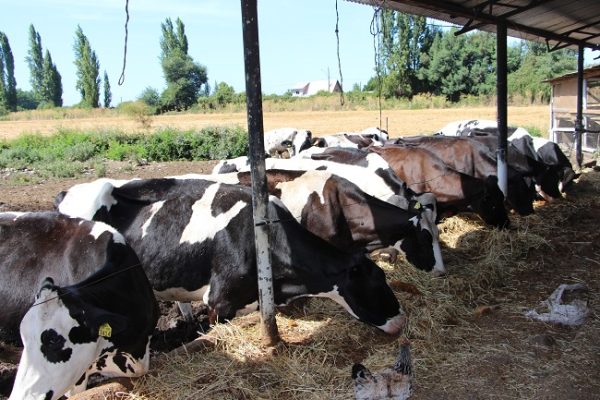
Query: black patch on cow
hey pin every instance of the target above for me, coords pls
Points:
(121, 361)
(81, 334)
(80, 380)
(49, 395)
(101, 362)
(53, 347)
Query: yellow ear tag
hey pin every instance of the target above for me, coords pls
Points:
(417, 205)
(105, 330)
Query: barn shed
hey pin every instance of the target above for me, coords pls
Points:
(563, 109)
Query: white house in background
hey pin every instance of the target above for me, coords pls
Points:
(303, 89)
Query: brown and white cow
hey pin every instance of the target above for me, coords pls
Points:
(473, 158)
(338, 211)
(455, 192)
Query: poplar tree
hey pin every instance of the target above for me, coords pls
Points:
(51, 88)
(107, 92)
(35, 61)
(88, 70)
(184, 76)
(8, 75)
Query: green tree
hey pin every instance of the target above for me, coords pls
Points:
(462, 65)
(538, 65)
(51, 87)
(3, 105)
(8, 75)
(150, 96)
(107, 92)
(35, 61)
(88, 70)
(26, 100)
(184, 76)
(224, 94)
(404, 42)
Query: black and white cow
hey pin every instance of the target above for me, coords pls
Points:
(101, 324)
(357, 140)
(338, 211)
(197, 242)
(280, 141)
(547, 152)
(473, 127)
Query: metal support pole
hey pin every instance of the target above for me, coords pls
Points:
(501, 110)
(270, 334)
(579, 128)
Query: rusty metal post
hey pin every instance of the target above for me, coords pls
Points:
(259, 180)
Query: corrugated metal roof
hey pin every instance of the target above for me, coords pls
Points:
(591, 72)
(562, 23)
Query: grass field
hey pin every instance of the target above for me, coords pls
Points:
(398, 122)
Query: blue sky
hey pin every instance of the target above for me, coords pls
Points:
(297, 40)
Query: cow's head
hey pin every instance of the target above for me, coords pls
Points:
(362, 289)
(520, 195)
(490, 206)
(423, 248)
(61, 340)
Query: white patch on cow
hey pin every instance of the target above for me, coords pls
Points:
(155, 208)
(181, 294)
(295, 193)
(98, 228)
(415, 220)
(394, 325)
(519, 133)
(240, 164)
(375, 161)
(36, 375)
(203, 225)
(85, 199)
(365, 179)
(335, 296)
(538, 142)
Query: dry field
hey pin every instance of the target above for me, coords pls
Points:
(398, 122)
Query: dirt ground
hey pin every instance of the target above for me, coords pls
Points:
(499, 354)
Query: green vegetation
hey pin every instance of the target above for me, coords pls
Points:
(88, 70)
(69, 154)
(184, 76)
(8, 83)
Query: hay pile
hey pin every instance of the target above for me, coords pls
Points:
(322, 341)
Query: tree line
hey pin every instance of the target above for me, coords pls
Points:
(412, 57)
(416, 57)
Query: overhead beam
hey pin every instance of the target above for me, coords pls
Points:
(518, 10)
(487, 19)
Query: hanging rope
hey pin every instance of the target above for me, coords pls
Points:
(122, 77)
(337, 36)
(376, 32)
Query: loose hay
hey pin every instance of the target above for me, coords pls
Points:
(323, 341)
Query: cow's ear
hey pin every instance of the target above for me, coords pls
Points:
(104, 323)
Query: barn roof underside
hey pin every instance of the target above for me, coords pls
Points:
(560, 23)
